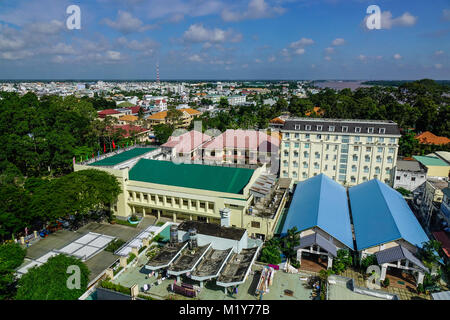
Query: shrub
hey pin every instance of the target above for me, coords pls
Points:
(342, 261)
(386, 282)
(142, 249)
(271, 254)
(131, 258)
(368, 261)
(420, 288)
(115, 287)
(114, 245)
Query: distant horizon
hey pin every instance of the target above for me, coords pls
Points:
(208, 80)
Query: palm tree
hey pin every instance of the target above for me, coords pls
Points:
(290, 242)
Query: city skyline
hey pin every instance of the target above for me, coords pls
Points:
(256, 39)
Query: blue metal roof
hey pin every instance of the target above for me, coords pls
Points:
(322, 202)
(380, 215)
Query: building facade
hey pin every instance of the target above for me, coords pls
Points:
(348, 151)
(409, 174)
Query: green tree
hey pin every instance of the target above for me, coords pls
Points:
(49, 281)
(342, 261)
(271, 253)
(11, 257)
(289, 242)
(163, 132)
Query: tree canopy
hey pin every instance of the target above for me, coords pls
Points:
(49, 281)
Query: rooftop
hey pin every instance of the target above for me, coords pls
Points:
(431, 161)
(187, 141)
(122, 157)
(166, 255)
(212, 263)
(195, 176)
(244, 139)
(212, 229)
(238, 266)
(380, 215)
(188, 259)
(322, 202)
(429, 138)
(410, 165)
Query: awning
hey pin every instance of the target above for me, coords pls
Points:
(317, 239)
(398, 253)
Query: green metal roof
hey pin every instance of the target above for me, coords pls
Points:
(196, 176)
(121, 157)
(430, 161)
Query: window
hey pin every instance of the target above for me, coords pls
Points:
(358, 129)
(285, 163)
(355, 148)
(413, 178)
(353, 179)
(295, 153)
(305, 165)
(319, 128)
(367, 158)
(326, 157)
(255, 224)
(391, 150)
(369, 139)
(354, 168)
(355, 157)
(331, 128)
(286, 153)
(380, 139)
(286, 144)
(326, 167)
(357, 139)
(306, 145)
(285, 174)
(397, 178)
(382, 130)
(317, 155)
(145, 197)
(319, 136)
(185, 203)
(378, 159)
(297, 135)
(370, 130)
(306, 154)
(344, 129)
(389, 159)
(295, 164)
(366, 169)
(286, 135)
(368, 149)
(304, 175)
(296, 145)
(297, 127)
(316, 165)
(336, 147)
(388, 170)
(294, 174)
(377, 170)
(380, 149)
(327, 147)
(307, 136)
(391, 140)
(308, 127)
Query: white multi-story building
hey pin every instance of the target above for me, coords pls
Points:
(409, 174)
(236, 100)
(348, 151)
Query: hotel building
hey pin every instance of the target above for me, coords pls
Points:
(348, 151)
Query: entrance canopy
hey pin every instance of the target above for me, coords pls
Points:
(398, 253)
(317, 239)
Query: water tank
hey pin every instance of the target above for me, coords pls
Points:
(173, 234)
(193, 239)
(225, 217)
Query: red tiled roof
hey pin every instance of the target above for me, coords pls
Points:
(429, 138)
(134, 109)
(277, 120)
(130, 129)
(107, 112)
(443, 238)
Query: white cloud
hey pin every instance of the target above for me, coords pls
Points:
(328, 58)
(195, 58)
(198, 33)
(329, 50)
(362, 58)
(271, 59)
(256, 9)
(126, 23)
(397, 56)
(388, 22)
(301, 43)
(258, 60)
(113, 55)
(439, 52)
(438, 66)
(299, 51)
(338, 42)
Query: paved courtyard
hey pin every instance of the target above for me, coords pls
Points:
(99, 262)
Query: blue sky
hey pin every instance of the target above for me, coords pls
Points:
(223, 39)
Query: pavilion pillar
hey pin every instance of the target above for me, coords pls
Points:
(420, 278)
(201, 284)
(383, 271)
(330, 262)
(299, 256)
(174, 215)
(159, 214)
